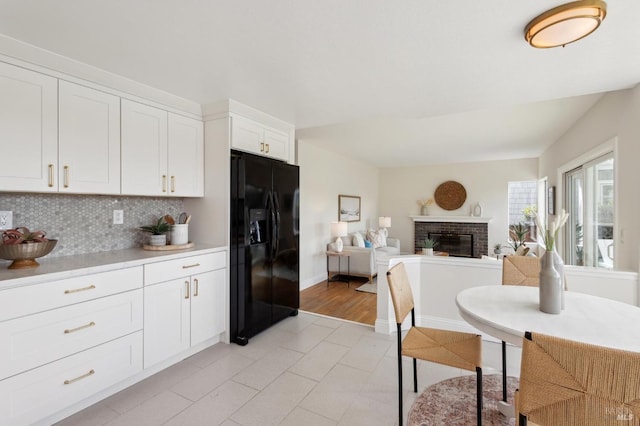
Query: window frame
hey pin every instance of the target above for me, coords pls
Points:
(608, 147)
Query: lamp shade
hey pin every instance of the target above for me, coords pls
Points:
(384, 222)
(565, 24)
(338, 229)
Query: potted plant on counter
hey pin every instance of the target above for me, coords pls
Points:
(429, 245)
(158, 231)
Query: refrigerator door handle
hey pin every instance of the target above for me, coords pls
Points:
(276, 239)
(273, 230)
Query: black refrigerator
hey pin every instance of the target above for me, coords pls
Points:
(264, 258)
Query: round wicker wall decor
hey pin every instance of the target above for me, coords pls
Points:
(450, 195)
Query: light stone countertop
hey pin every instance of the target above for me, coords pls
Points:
(62, 267)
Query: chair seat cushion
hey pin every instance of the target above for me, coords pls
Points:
(453, 402)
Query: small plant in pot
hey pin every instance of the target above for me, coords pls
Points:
(158, 231)
(428, 246)
(497, 248)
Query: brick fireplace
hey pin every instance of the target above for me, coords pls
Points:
(460, 236)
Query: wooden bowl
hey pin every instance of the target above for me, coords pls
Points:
(24, 255)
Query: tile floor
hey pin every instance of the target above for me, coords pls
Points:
(306, 370)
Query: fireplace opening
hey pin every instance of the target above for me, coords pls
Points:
(459, 245)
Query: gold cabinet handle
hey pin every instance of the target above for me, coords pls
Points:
(186, 286)
(82, 327)
(261, 146)
(77, 290)
(173, 184)
(164, 183)
(190, 266)
(66, 176)
(84, 376)
(267, 151)
(195, 280)
(50, 175)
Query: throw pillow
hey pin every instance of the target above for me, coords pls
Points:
(367, 244)
(358, 241)
(376, 238)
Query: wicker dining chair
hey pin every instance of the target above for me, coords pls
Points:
(452, 348)
(517, 270)
(563, 382)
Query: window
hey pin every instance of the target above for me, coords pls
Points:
(590, 203)
(523, 206)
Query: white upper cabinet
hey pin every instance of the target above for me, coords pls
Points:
(162, 153)
(28, 130)
(144, 149)
(89, 140)
(186, 156)
(250, 136)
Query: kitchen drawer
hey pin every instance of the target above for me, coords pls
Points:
(186, 266)
(36, 394)
(34, 340)
(20, 301)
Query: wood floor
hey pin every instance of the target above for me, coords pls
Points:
(340, 301)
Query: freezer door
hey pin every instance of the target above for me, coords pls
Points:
(286, 196)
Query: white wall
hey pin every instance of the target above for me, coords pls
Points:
(323, 176)
(485, 182)
(615, 115)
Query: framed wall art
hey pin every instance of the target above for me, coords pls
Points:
(348, 208)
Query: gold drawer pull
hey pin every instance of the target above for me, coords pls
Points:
(76, 290)
(196, 292)
(82, 327)
(50, 175)
(164, 183)
(66, 176)
(267, 150)
(195, 265)
(173, 184)
(186, 292)
(261, 146)
(84, 376)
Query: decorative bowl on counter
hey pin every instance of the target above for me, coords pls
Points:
(24, 255)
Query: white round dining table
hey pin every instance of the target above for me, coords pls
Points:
(506, 312)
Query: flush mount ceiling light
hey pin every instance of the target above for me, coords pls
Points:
(565, 24)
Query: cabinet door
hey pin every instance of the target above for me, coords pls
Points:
(166, 320)
(144, 149)
(208, 311)
(89, 140)
(276, 144)
(246, 135)
(186, 156)
(28, 130)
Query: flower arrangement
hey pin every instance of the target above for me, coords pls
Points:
(550, 235)
(425, 202)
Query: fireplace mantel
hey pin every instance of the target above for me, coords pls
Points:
(454, 219)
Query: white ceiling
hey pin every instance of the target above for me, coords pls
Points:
(391, 82)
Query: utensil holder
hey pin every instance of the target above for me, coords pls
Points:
(180, 234)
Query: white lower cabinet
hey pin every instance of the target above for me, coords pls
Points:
(31, 396)
(182, 312)
(66, 342)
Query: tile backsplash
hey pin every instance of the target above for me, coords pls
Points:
(84, 223)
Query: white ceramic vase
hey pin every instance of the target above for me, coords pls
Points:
(424, 211)
(550, 286)
(427, 251)
(339, 245)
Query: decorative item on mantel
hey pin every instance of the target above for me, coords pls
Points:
(552, 267)
(424, 206)
(24, 247)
